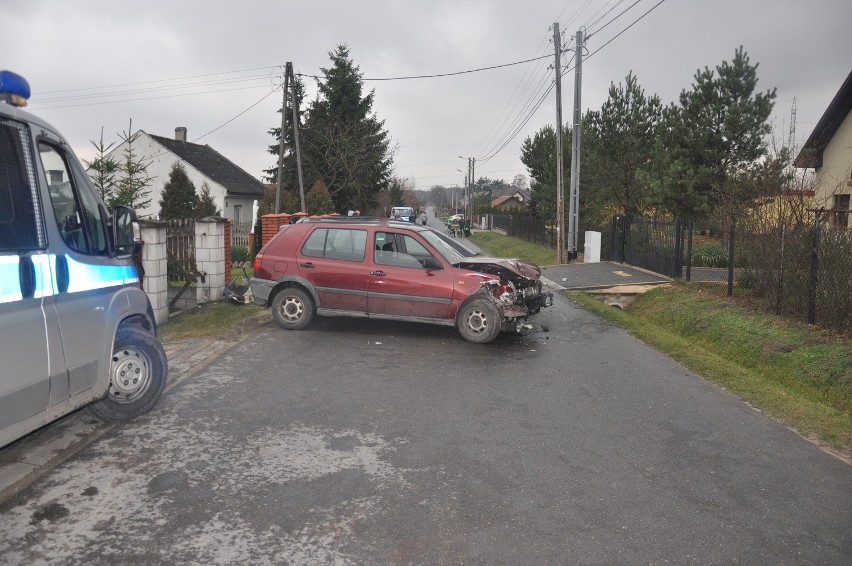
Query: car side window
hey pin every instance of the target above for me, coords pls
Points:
(387, 251)
(21, 227)
(78, 214)
(336, 243)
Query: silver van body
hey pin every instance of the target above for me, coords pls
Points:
(75, 325)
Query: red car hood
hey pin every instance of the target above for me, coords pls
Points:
(506, 268)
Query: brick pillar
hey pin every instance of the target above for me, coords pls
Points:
(270, 224)
(155, 264)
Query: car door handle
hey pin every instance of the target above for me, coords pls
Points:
(378, 273)
(307, 265)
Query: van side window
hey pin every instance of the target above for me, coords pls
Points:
(78, 215)
(21, 226)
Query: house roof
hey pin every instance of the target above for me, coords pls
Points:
(510, 191)
(215, 166)
(811, 153)
(503, 200)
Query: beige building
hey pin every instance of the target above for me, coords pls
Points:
(828, 151)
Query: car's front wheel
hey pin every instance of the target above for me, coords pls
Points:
(137, 375)
(479, 321)
(292, 309)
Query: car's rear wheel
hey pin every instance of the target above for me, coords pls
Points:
(292, 309)
(479, 321)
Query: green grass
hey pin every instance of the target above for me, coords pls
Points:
(505, 246)
(213, 319)
(795, 373)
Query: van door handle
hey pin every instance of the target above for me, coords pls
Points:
(307, 265)
(378, 273)
(62, 276)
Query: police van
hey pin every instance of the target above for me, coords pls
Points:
(75, 326)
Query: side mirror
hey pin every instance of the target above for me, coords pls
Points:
(126, 236)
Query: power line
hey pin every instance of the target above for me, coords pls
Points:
(654, 7)
(267, 95)
(492, 67)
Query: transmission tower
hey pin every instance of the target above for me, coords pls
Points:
(791, 141)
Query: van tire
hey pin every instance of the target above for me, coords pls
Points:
(137, 355)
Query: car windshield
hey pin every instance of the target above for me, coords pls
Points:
(442, 247)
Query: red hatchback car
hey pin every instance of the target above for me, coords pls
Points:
(392, 270)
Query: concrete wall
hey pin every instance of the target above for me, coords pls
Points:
(210, 258)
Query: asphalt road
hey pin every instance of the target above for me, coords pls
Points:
(370, 442)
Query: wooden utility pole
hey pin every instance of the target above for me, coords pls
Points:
(296, 135)
(281, 145)
(560, 198)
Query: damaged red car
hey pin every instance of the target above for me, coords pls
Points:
(392, 270)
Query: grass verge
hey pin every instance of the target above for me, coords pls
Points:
(507, 246)
(212, 319)
(795, 373)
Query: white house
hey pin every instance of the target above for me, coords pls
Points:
(233, 189)
(829, 152)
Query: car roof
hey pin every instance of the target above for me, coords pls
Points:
(367, 221)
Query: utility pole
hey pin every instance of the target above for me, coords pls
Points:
(560, 199)
(296, 134)
(472, 187)
(574, 204)
(281, 144)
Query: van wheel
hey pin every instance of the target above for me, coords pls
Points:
(479, 321)
(137, 375)
(292, 309)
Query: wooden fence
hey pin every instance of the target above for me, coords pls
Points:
(180, 248)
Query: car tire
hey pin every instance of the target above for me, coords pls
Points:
(478, 321)
(292, 309)
(137, 375)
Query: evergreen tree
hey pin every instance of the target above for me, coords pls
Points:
(344, 144)
(102, 170)
(132, 188)
(205, 206)
(539, 155)
(618, 141)
(178, 197)
(318, 199)
(711, 140)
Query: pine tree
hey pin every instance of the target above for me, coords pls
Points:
(710, 141)
(102, 170)
(178, 197)
(205, 206)
(344, 144)
(618, 141)
(539, 155)
(132, 189)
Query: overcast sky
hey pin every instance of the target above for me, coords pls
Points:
(229, 51)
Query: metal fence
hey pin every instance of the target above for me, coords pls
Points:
(525, 227)
(180, 249)
(650, 243)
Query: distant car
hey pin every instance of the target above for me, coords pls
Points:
(403, 213)
(392, 270)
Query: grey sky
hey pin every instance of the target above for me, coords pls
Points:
(804, 48)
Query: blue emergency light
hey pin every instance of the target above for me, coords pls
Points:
(14, 88)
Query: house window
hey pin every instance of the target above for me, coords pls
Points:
(238, 208)
(841, 210)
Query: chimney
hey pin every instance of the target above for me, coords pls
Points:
(180, 134)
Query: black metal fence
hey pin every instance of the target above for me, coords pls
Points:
(651, 243)
(525, 227)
